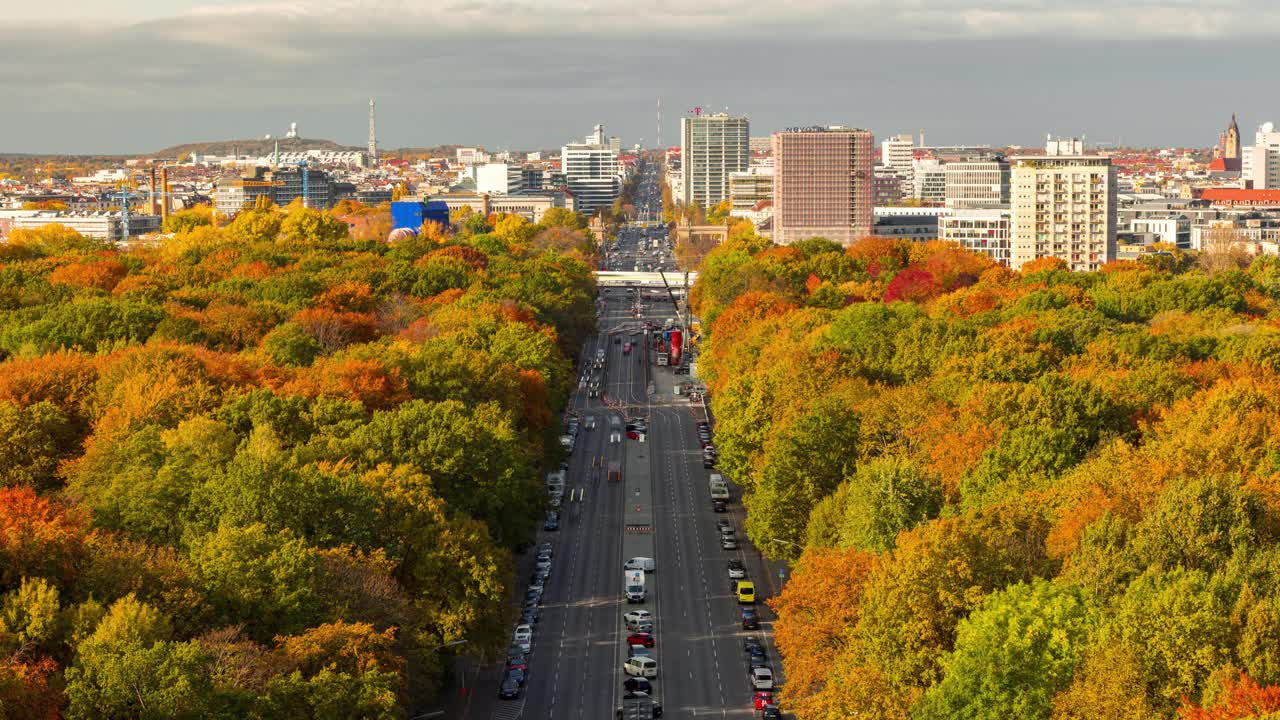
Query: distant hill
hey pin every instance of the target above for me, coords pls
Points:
(248, 147)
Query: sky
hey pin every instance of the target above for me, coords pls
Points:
(135, 76)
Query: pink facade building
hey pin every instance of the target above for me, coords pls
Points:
(822, 184)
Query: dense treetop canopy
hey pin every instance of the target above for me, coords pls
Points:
(262, 470)
(1034, 494)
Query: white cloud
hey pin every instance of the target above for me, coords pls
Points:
(883, 19)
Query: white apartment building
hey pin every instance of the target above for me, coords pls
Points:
(929, 181)
(1064, 206)
(103, 226)
(471, 156)
(748, 189)
(499, 178)
(1261, 162)
(985, 230)
(592, 172)
(976, 183)
(711, 148)
(898, 152)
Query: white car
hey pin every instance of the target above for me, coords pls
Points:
(523, 632)
(641, 666)
(762, 679)
(635, 616)
(640, 563)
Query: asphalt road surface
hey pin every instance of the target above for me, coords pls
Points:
(662, 503)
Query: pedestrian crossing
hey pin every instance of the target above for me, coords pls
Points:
(509, 709)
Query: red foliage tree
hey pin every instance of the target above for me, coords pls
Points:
(913, 284)
(369, 382)
(1241, 698)
(38, 537)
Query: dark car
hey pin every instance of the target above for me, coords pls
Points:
(637, 684)
(750, 621)
(708, 463)
(751, 642)
(770, 712)
(756, 661)
(719, 506)
(516, 674)
(552, 522)
(517, 661)
(509, 690)
(529, 615)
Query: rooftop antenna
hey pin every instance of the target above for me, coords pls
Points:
(373, 136)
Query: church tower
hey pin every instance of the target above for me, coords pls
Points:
(1231, 141)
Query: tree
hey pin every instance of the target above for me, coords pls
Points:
(307, 225)
(816, 608)
(1012, 655)
(264, 579)
(189, 219)
(1242, 698)
(255, 226)
(883, 497)
(290, 344)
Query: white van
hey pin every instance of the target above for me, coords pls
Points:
(633, 581)
(640, 563)
(641, 666)
(716, 479)
(720, 491)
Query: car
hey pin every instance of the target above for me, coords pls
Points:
(762, 698)
(590, 421)
(708, 463)
(518, 674)
(640, 563)
(532, 598)
(756, 661)
(719, 506)
(726, 532)
(737, 570)
(552, 523)
(545, 555)
(637, 650)
(555, 500)
(637, 685)
(770, 712)
(522, 633)
(751, 644)
(641, 666)
(750, 620)
(509, 689)
(543, 565)
(644, 639)
(537, 586)
(762, 678)
(638, 616)
(615, 437)
(529, 615)
(728, 543)
(617, 340)
(724, 522)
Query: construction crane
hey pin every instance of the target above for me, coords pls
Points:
(124, 196)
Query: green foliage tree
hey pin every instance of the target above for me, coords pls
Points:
(1012, 655)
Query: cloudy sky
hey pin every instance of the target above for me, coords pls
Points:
(133, 76)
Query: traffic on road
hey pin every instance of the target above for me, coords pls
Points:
(641, 599)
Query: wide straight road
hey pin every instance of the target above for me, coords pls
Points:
(663, 504)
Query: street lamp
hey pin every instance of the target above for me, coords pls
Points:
(455, 643)
(787, 542)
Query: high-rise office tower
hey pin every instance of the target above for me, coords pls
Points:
(822, 184)
(712, 147)
(1064, 206)
(591, 172)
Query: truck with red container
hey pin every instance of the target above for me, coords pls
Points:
(677, 346)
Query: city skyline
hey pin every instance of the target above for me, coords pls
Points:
(134, 78)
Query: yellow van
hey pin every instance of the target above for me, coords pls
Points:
(746, 592)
